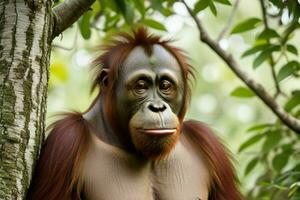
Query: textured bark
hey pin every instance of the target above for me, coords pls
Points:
(25, 36)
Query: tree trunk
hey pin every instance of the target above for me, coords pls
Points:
(25, 37)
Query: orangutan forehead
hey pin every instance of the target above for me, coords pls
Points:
(159, 57)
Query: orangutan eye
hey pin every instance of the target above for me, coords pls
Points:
(166, 86)
(140, 87)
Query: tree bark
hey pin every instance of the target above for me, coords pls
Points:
(25, 37)
(27, 28)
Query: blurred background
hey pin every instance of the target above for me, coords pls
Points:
(212, 100)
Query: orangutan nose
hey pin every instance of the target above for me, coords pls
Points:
(157, 107)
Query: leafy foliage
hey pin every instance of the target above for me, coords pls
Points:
(242, 92)
(246, 25)
(84, 25)
(111, 15)
(276, 147)
(288, 69)
(154, 24)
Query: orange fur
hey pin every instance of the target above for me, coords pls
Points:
(223, 179)
(57, 172)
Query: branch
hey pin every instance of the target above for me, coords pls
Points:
(272, 63)
(66, 13)
(258, 89)
(229, 22)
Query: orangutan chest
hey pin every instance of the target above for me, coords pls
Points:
(114, 175)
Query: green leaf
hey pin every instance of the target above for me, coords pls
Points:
(287, 148)
(295, 195)
(225, 2)
(250, 166)
(264, 55)
(111, 21)
(213, 8)
(279, 161)
(250, 142)
(292, 49)
(293, 189)
(293, 101)
(112, 4)
(158, 5)
(272, 139)
(264, 184)
(129, 14)
(287, 70)
(121, 6)
(268, 34)
(282, 177)
(154, 24)
(126, 10)
(259, 127)
(96, 7)
(140, 6)
(255, 49)
(201, 5)
(171, 2)
(84, 25)
(242, 92)
(246, 25)
(278, 3)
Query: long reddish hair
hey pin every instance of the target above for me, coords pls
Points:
(57, 174)
(224, 182)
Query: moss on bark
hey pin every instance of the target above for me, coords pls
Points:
(23, 89)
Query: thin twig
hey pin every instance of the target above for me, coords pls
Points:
(272, 63)
(258, 89)
(61, 47)
(67, 48)
(229, 22)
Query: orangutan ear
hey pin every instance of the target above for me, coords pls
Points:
(104, 77)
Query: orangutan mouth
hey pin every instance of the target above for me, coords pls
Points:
(158, 131)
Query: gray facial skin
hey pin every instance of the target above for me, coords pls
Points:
(149, 98)
(142, 79)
